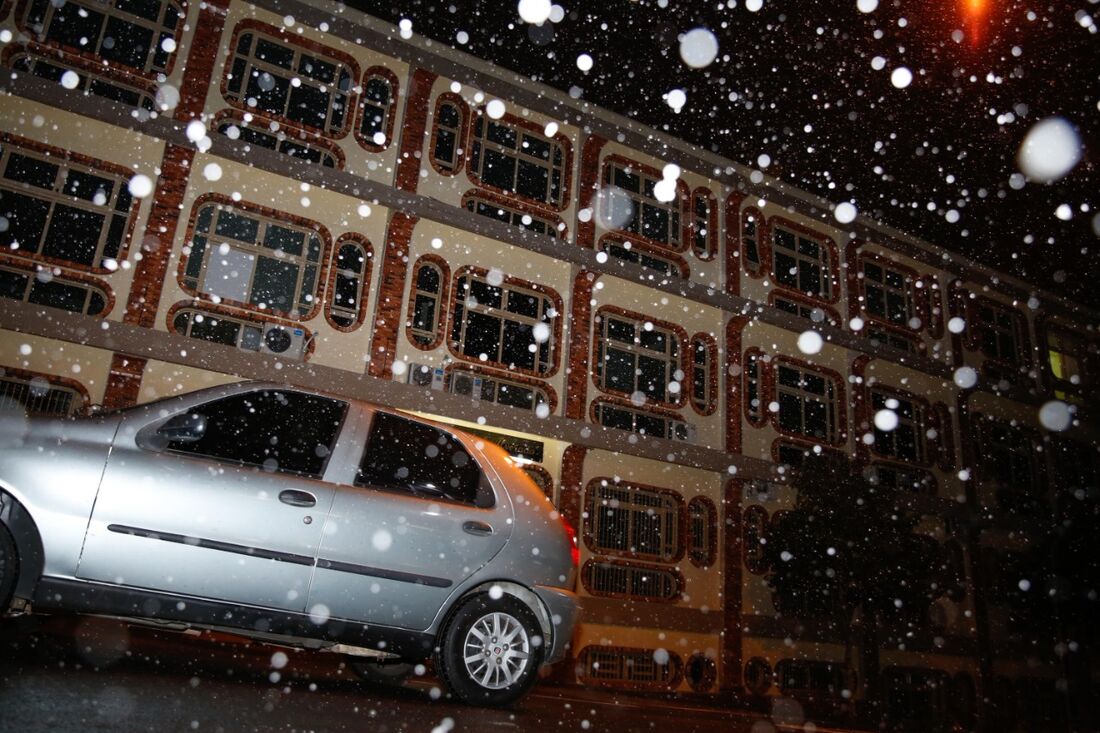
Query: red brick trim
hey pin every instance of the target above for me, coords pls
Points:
(92, 60)
(763, 367)
(414, 124)
(383, 73)
(281, 34)
(514, 121)
(683, 197)
(123, 387)
(712, 223)
(293, 132)
(711, 551)
(198, 73)
(444, 300)
(507, 376)
(590, 507)
(518, 283)
(269, 213)
(768, 379)
(364, 280)
(734, 255)
(643, 245)
(65, 156)
(831, 314)
(32, 268)
(678, 399)
(588, 188)
(730, 660)
(560, 231)
(676, 668)
(734, 330)
(69, 382)
(652, 567)
(712, 381)
(572, 483)
(462, 136)
(767, 257)
(237, 315)
(580, 339)
(391, 290)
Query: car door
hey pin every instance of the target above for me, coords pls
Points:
(421, 517)
(222, 500)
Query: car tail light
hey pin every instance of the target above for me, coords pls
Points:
(574, 549)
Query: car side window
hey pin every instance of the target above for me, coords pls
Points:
(283, 431)
(408, 456)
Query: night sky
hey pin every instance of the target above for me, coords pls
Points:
(795, 81)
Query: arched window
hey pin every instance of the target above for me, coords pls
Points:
(350, 276)
(754, 528)
(448, 134)
(702, 532)
(752, 222)
(704, 224)
(424, 328)
(376, 111)
(704, 378)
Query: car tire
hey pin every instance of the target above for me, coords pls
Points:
(9, 567)
(389, 674)
(490, 650)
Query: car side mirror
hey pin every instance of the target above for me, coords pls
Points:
(186, 428)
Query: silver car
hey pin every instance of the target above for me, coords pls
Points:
(297, 517)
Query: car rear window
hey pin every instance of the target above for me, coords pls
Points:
(409, 456)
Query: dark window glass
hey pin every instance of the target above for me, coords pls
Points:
(284, 431)
(403, 455)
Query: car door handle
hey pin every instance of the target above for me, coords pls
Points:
(297, 498)
(478, 528)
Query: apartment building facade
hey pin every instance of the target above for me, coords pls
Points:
(301, 185)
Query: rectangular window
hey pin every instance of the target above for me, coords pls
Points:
(138, 34)
(808, 403)
(508, 324)
(38, 396)
(637, 667)
(62, 210)
(512, 216)
(286, 80)
(516, 160)
(1000, 332)
(637, 356)
(493, 389)
(448, 136)
(1069, 361)
(882, 337)
(908, 441)
(887, 294)
(89, 82)
(255, 135)
(642, 422)
(635, 521)
(44, 288)
(623, 579)
(628, 252)
(640, 211)
(802, 264)
(1009, 465)
(253, 260)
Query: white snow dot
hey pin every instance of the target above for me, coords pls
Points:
(671, 171)
(535, 12)
(660, 656)
(541, 332)
(462, 37)
(196, 130)
(665, 190)
(551, 129)
(542, 411)
(399, 368)
(878, 63)
(279, 660)
(886, 420)
(856, 324)
(495, 277)
(5, 36)
(845, 212)
(674, 387)
(496, 592)
(965, 377)
(901, 77)
(495, 109)
(1050, 150)
(167, 97)
(379, 138)
(676, 99)
(584, 62)
(785, 556)
(25, 349)
(866, 6)
(364, 210)
(698, 48)
(952, 216)
(168, 44)
(956, 325)
(406, 27)
(810, 342)
(1064, 212)
(764, 160)
(319, 614)
(437, 243)
(140, 186)
(1025, 585)
(212, 172)
(753, 5)
(382, 539)
(637, 398)
(1055, 415)
(70, 80)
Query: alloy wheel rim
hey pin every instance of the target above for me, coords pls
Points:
(496, 651)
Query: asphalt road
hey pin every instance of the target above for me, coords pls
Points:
(88, 674)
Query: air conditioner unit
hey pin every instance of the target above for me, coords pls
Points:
(682, 431)
(467, 384)
(286, 341)
(425, 375)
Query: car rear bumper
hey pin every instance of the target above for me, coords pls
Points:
(562, 605)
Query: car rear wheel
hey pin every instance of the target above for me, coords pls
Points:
(9, 567)
(491, 651)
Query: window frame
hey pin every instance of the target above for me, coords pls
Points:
(1026, 496)
(555, 227)
(332, 310)
(78, 402)
(752, 244)
(461, 134)
(670, 419)
(673, 510)
(977, 328)
(827, 262)
(667, 681)
(674, 359)
(630, 572)
(478, 143)
(549, 302)
(423, 339)
(285, 136)
(707, 404)
(549, 396)
(244, 320)
(920, 421)
(755, 517)
(709, 227)
(389, 113)
(90, 76)
(677, 265)
(678, 228)
(702, 550)
(907, 292)
(299, 47)
(836, 428)
(92, 286)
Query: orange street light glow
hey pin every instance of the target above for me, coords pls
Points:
(974, 11)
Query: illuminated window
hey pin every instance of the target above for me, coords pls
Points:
(635, 521)
(508, 325)
(298, 84)
(518, 161)
(253, 260)
(801, 263)
(59, 209)
(639, 211)
(1069, 361)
